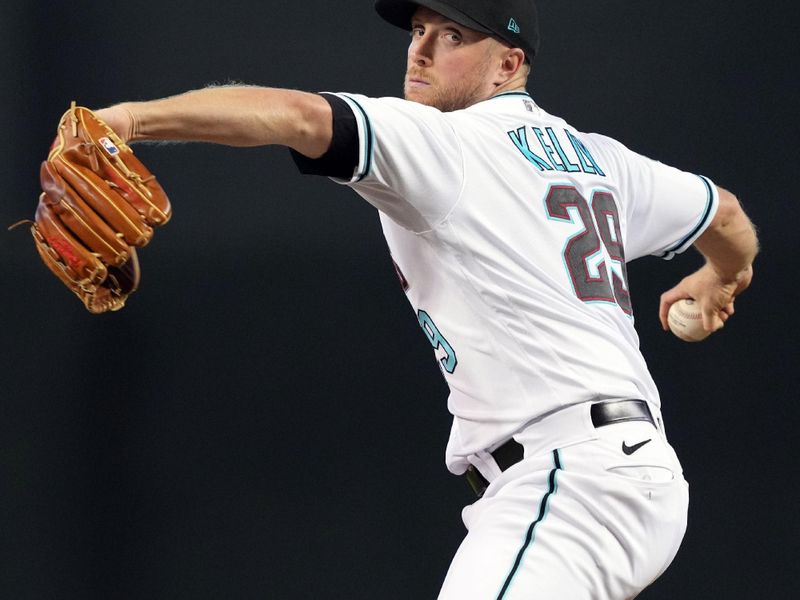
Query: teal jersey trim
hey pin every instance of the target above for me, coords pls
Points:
(511, 94)
(369, 142)
(676, 248)
(530, 536)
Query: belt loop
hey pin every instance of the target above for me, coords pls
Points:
(486, 465)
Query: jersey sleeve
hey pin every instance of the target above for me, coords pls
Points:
(666, 209)
(341, 157)
(404, 158)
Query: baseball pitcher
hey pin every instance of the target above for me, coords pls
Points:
(510, 231)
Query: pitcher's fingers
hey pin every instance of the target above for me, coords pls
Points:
(711, 320)
(669, 298)
(663, 313)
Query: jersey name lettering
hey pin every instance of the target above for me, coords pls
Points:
(553, 156)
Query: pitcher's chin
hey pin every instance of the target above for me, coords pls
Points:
(417, 93)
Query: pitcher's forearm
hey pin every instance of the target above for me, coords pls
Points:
(237, 116)
(730, 244)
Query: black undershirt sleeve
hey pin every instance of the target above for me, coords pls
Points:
(341, 159)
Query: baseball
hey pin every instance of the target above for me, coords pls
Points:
(686, 321)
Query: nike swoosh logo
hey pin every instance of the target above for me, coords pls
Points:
(631, 449)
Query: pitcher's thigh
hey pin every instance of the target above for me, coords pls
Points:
(580, 539)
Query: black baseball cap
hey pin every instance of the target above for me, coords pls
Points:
(512, 21)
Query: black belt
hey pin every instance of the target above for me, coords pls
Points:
(603, 413)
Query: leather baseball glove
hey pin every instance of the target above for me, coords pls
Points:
(99, 203)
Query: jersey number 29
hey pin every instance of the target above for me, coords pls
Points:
(580, 248)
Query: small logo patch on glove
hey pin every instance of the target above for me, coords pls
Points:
(109, 146)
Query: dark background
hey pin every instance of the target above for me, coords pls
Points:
(264, 419)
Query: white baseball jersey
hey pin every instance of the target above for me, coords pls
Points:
(510, 230)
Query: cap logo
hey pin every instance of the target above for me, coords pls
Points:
(512, 25)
